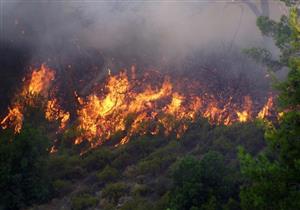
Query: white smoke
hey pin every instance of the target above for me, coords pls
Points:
(158, 29)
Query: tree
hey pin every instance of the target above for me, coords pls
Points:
(272, 180)
(281, 32)
(23, 177)
(201, 184)
(187, 189)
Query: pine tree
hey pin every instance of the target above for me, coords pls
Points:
(272, 180)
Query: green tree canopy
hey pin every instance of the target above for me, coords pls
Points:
(273, 178)
(23, 177)
(201, 184)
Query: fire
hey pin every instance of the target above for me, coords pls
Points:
(14, 119)
(266, 109)
(100, 117)
(139, 109)
(175, 104)
(245, 115)
(37, 84)
(40, 80)
(131, 105)
(54, 112)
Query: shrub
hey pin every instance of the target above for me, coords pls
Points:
(23, 168)
(62, 187)
(97, 159)
(122, 160)
(137, 203)
(201, 184)
(83, 201)
(113, 192)
(140, 190)
(108, 174)
(159, 160)
(163, 202)
(64, 166)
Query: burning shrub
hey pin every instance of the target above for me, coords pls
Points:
(130, 105)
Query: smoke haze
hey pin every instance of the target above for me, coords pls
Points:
(155, 29)
(82, 39)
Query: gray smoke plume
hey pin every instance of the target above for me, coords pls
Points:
(90, 36)
(156, 30)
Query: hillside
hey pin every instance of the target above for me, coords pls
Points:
(149, 115)
(138, 175)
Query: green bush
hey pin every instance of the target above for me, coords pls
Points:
(65, 166)
(113, 192)
(62, 187)
(140, 190)
(23, 168)
(83, 201)
(201, 184)
(122, 160)
(162, 203)
(159, 160)
(137, 203)
(138, 148)
(108, 174)
(97, 159)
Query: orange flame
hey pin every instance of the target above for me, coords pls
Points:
(122, 107)
(40, 80)
(245, 115)
(130, 107)
(38, 84)
(53, 112)
(14, 119)
(265, 112)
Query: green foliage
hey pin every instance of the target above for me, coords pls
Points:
(137, 203)
(139, 190)
(272, 178)
(114, 191)
(232, 205)
(290, 89)
(65, 166)
(108, 174)
(281, 32)
(62, 187)
(226, 139)
(263, 56)
(187, 185)
(163, 202)
(23, 168)
(83, 201)
(97, 159)
(290, 2)
(159, 160)
(210, 205)
(137, 149)
(200, 184)
(265, 185)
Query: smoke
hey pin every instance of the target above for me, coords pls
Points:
(81, 39)
(155, 31)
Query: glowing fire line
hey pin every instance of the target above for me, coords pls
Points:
(131, 107)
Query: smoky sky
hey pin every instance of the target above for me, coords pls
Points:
(160, 30)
